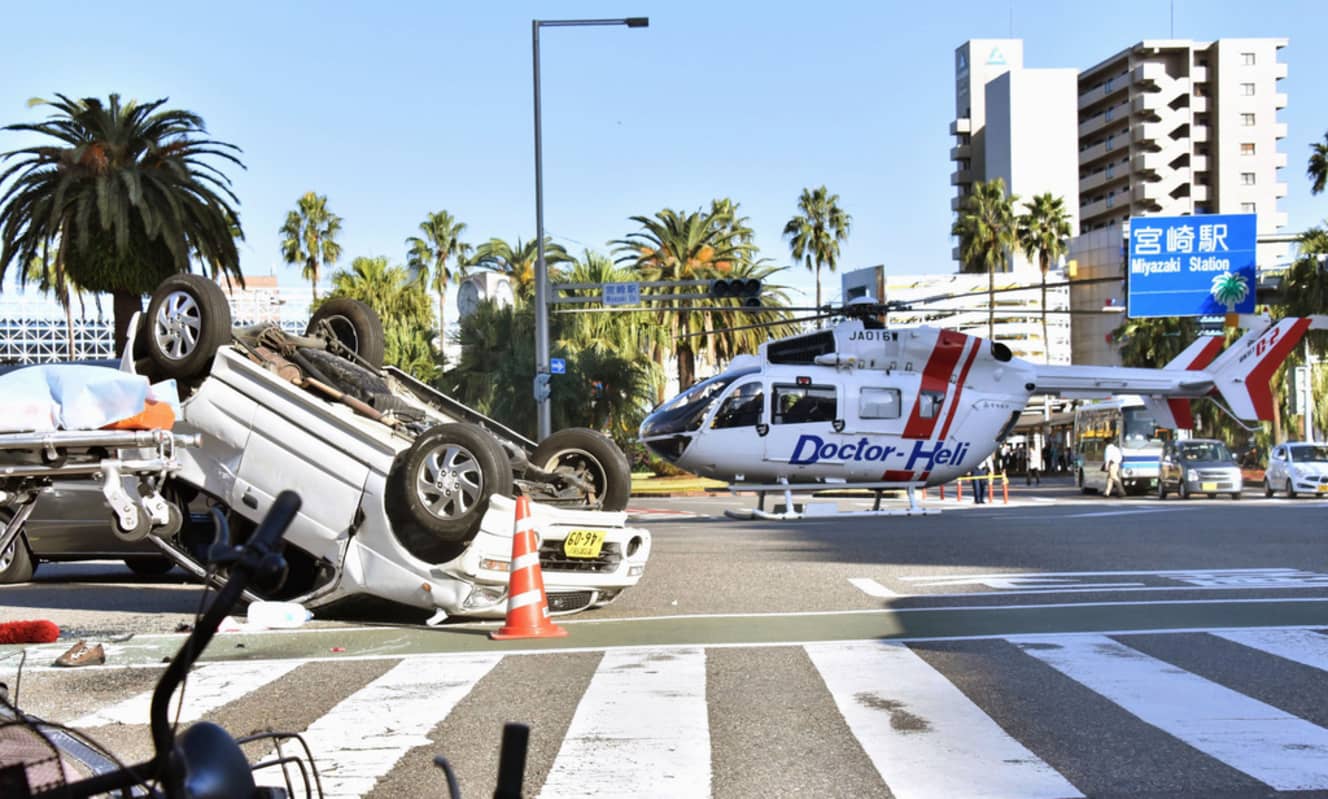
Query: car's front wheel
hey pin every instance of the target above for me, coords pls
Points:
(1267, 488)
(1290, 489)
(1161, 489)
(443, 484)
(1183, 489)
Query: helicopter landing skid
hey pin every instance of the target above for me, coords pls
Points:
(822, 509)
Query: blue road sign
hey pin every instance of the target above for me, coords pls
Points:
(1191, 265)
(557, 366)
(622, 293)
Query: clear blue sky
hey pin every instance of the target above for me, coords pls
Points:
(395, 109)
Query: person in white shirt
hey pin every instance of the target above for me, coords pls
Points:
(1111, 459)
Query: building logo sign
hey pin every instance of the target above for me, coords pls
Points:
(996, 58)
(1192, 265)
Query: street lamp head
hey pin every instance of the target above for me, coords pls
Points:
(638, 22)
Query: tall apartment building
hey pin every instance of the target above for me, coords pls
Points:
(1013, 123)
(1176, 127)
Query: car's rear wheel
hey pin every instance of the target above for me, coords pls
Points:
(441, 486)
(592, 458)
(1161, 489)
(354, 324)
(1267, 488)
(188, 320)
(149, 567)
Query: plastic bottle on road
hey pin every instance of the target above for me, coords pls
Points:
(278, 615)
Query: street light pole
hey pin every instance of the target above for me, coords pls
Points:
(542, 369)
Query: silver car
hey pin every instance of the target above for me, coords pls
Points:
(1297, 467)
(1198, 466)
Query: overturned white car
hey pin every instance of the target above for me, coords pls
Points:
(407, 493)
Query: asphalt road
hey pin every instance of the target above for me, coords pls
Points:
(1057, 645)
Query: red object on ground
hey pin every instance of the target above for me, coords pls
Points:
(527, 605)
(154, 416)
(28, 632)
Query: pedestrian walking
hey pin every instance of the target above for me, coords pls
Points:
(1034, 473)
(980, 484)
(1111, 461)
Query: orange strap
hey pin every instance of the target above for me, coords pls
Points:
(154, 416)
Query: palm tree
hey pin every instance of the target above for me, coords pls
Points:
(518, 262)
(1043, 232)
(429, 255)
(986, 231)
(403, 305)
(1229, 289)
(1317, 170)
(310, 237)
(673, 246)
(815, 233)
(127, 196)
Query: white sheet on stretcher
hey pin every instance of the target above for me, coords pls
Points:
(75, 397)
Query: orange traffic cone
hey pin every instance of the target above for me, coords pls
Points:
(527, 606)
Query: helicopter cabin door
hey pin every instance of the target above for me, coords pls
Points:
(801, 414)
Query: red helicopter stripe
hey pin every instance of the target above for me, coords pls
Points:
(959, 389)
(935, 377)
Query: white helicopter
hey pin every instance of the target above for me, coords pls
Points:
(862, 405)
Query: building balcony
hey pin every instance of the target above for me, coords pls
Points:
(1199, 163)
(1279, 160)
(956, 202)
(1279, 190)
(1198, 105)
(1148, 131)
(1150, 72)
(961, 177)
(961, 151)
(961, 125)
(1198, 74)
(1200, 193)
(1279, 70)
(1154, 162)
(1280, 100)
(1118, 84)
(1091, 210)
(1094, 153)
(1199, 133)
(1118, 117)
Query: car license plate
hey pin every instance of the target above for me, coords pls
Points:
(1323, 489)
(583, 543)
(1209, 487)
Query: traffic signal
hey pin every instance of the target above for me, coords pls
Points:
(745, 289)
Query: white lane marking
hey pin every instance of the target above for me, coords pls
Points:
(363, 736)
(1275, 747)
(1150, 572)
(641, 729)
(923, 735)
(1302, 646)
(209, 687)
(870, 587)
(1116, 512)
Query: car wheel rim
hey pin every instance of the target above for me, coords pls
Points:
(7, 557)
(449, 482)
(344, 331)
(582, 465)
(178, 325)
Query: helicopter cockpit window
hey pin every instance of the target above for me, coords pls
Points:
(879, 403)
(801, 350)
(929, 404)
(686, 411)
(742, 408)
(803, 404)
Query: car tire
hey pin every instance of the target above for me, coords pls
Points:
(188, 320)
(1212, 496)
(1083, 489)
(1183, 490)
(355, 325)
(591, 456)
(16, 563)
(1290, 489)
(1161, 489)
(1235, 495)
(441, 486)
(149, 567)
(1267, 488)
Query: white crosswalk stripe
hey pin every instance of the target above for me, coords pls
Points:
(923, 735)
(360, 739)
(209, 687)
(639, 720)
(1270, 745)
(652, 705)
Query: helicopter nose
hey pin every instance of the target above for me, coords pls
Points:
(670, 448)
